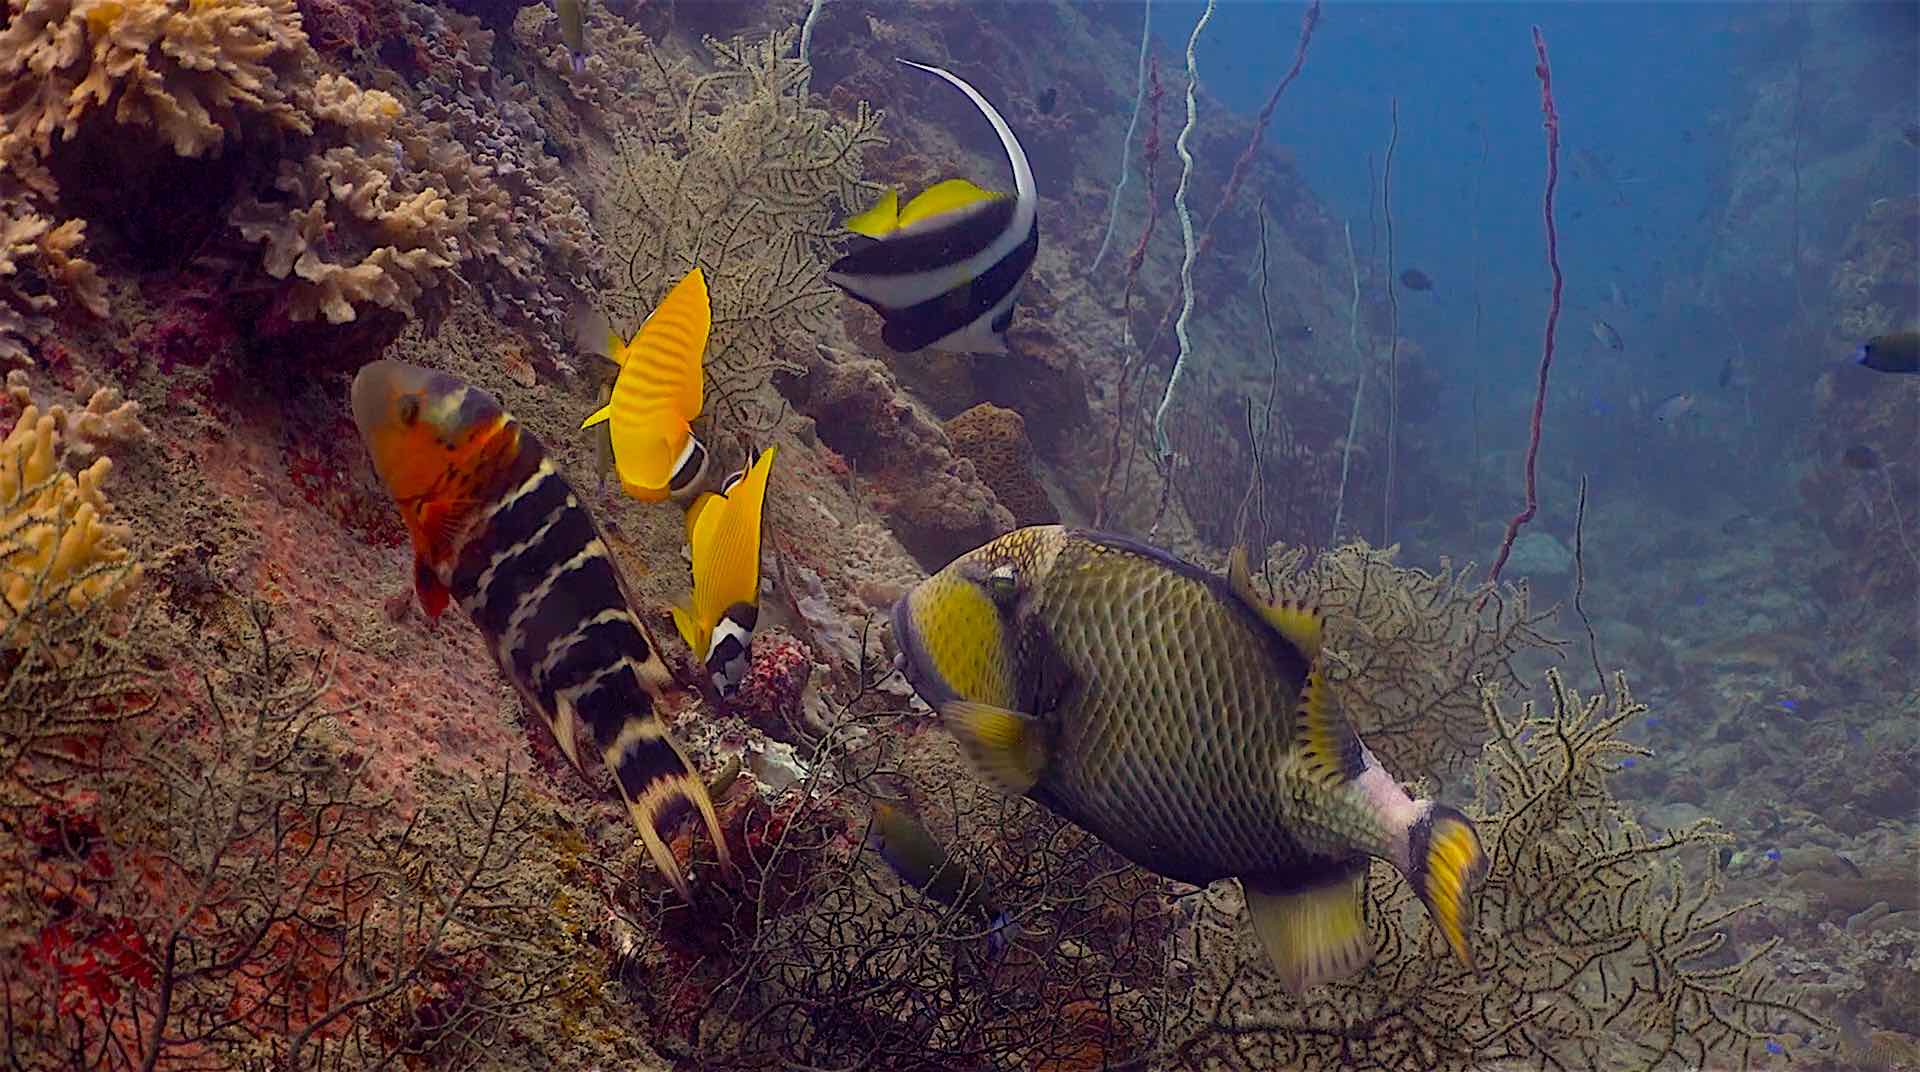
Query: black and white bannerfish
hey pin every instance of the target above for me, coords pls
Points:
(945, 271)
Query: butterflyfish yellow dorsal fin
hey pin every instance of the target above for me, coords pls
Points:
(1304, 626)
(659, 391)
(694, 632)
(953, 195)
(880, 220)
(724, 534)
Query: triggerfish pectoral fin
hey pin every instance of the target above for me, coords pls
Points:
(658, 394)
(1006, 747)
(1314, 930)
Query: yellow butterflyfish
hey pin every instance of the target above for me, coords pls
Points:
(723, 531)
(658, 395)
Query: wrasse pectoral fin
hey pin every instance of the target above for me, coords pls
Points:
(433, 595)
(1314, 931)
(1004, 746)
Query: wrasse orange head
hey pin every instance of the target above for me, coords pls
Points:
(435, 443)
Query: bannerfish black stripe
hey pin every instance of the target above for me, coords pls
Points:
(920, 326)
(968, 235)
(534, 574)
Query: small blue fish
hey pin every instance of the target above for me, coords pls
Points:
(1772, 854)
(1788, 705)
(1775, 1048)
(1629, 762)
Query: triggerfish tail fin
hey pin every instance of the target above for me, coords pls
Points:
(1314, 930)
(880, 220)
(1445, 862)
(658, 782)
(500, 531)
(1006, 747)
(658, 394)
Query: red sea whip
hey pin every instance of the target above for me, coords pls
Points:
(1551, 120)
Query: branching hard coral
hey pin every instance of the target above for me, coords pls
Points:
(239, 897)
(35, 257)
(1600, 945)
(1405, 646)
(745, 180)
(57, 550)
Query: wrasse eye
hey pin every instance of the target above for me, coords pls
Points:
(409, 409)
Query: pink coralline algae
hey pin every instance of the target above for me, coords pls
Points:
(770, 695)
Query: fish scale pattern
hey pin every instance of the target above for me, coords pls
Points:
(1176, 762)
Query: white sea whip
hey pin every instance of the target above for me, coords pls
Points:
(1126, 144)
(1186, 234)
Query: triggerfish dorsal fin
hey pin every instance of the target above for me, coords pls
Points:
(1330, 752)
(880, 220)
(1006, 747)
(941, 201)
(1304, 626)
(659, 392)
(1314, 926)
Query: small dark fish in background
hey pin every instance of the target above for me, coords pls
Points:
(1673, 407)
(1898, 352)
(1415, 279)
(1605, 333)
(1300, 332)
(1733, 373)
(1048, 98)
(1860, 456)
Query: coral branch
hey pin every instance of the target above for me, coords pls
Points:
(1150, 154)
(1550, 120)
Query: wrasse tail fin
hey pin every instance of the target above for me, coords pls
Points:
(655, 779)
(1314, 931)
(1446, 863)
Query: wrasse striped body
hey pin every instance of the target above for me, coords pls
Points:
(497, 528)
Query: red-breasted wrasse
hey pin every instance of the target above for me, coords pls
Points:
(945, 271)
(658, 394)
(496, 528)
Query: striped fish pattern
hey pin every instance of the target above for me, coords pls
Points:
(497, 529)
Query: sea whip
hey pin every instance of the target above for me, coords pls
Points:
(1551, 120)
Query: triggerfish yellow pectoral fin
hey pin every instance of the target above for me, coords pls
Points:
(659, 393)
(941, 200)
(723, 531)
(1006, 747)
(1313, 929)
(880, 220)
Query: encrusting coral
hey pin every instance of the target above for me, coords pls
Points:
(56, 546)
(994, 439)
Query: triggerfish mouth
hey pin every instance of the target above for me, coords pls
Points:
(945, 271)
(1182, 719)
(498, 529)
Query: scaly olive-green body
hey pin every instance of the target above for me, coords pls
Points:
(1167, 707)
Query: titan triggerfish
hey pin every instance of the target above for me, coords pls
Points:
(1182, 719)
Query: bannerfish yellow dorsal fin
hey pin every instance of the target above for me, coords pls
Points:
(659, 391)
(723, 532)
(941, 199)
(1304, 626)
(880, 220)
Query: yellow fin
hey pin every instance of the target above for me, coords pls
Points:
(953, 195)
(659, 390)
(1330, 752)
(1446, 877)
(880, 220)
(598, 416)
(1004, 746)
(1314, 933)
(723, 532)
(1303, 626)
(694, 632)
